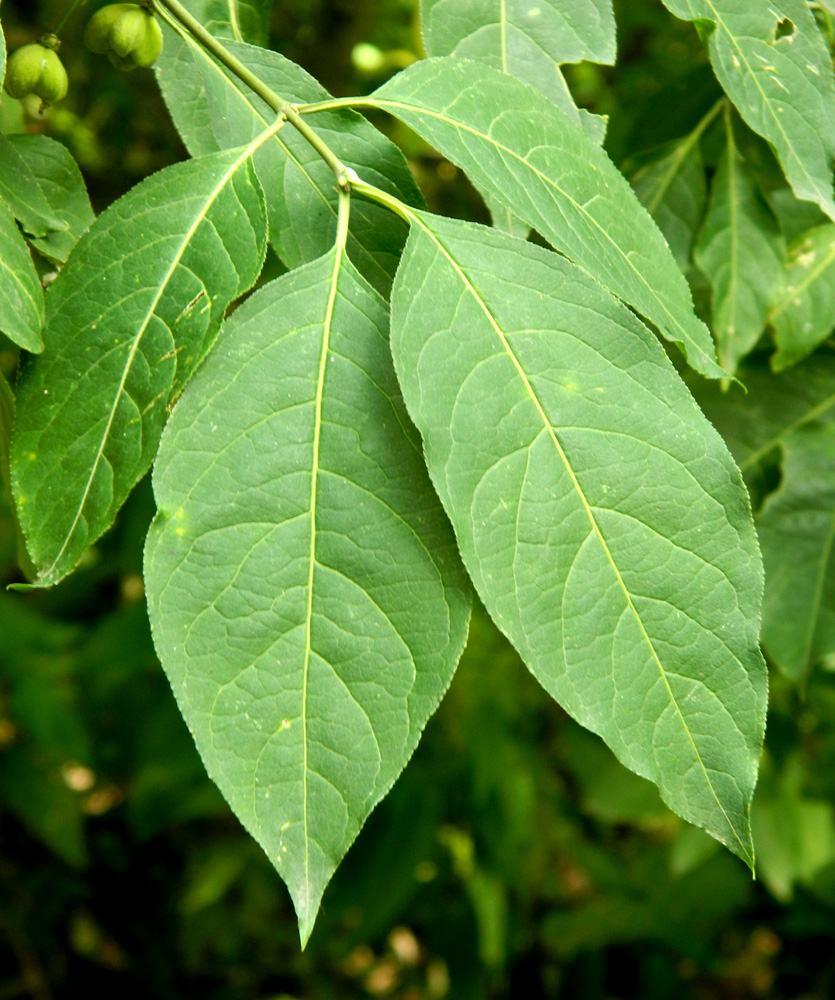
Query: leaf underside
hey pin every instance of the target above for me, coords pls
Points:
(306, 596)
(602, 520)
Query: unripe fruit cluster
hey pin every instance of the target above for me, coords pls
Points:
(36, 69)
(126, 33)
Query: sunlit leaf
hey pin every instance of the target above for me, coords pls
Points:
(21, 297)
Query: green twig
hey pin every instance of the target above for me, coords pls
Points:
(344, 175)
(67, 15)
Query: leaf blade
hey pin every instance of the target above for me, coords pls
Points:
(340, 546)
(507, 481)
(123, 340)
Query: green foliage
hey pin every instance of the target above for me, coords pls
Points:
(308, 565)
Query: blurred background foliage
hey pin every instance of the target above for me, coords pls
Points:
(514, 858)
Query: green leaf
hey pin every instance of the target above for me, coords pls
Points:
(306, 596)
(527, 42)
(2, 57)
(797, 530)
(22, 194)
(755, 423)
(298, 185)
(601, 518)
(671, 186)
(740, 251)
(129, 317)
(774, 65)
(21, 296)
(804, 312)
(517, 146)
(59, 180)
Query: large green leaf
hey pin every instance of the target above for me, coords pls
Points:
(21, 296)
(306, 596)
(517, 146)
(220, 112)
(52, 167)
(129, 317)
(740, 251)
(601, 518)
(774, 65)
(528, 42)
(797, 531)
(241, 20)
(804, 313)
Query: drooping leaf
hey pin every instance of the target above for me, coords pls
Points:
(22, 194)
(517, 146)
(671, 186)
(804, 312)
(21, 296)
(219, 112)
(774, 65)
(529, 42)
(306, 596)
(59, 180)
(129, 317)
(756, 422)
(601, 518)
(797, 530)
(740, 250)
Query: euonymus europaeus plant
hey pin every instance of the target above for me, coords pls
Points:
(421, 405)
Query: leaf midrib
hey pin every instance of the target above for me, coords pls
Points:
(586, 506)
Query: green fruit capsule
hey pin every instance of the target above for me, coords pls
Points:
(147, 52)
(36, 69)
(126, 33)
(97, 32)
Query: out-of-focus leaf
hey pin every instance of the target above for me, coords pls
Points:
(804, 312)
(671, 186)
(601, 518)
(756, 423)
(740, 250)
(795, 216)
(306, 595)
(797, 530)
(774, 65)
(517, 146)
(794, 835)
